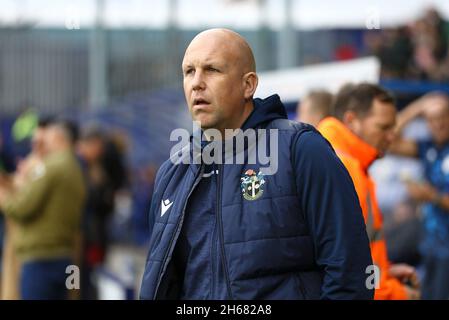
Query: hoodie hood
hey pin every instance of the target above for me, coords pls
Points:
(265, 110)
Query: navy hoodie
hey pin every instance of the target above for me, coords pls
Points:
(300, 235)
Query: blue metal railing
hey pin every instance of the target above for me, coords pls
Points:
(414, 87)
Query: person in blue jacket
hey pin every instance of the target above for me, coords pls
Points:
(234, 230)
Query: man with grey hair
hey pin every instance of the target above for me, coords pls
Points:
(47, 212)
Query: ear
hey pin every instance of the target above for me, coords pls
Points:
(250, 81)
(351, 120)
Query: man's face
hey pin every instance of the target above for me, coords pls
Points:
(91, 149)
(49, 139)
(213, 83)
(377, 127)
(437, 116)
(38, 141)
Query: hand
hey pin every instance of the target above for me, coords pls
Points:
(412, 294)
(421, 192)
(405, 273)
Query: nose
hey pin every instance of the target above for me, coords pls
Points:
(198, 81)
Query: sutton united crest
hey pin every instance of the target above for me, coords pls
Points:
(252, 184)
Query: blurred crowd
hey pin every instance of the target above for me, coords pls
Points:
(416, 224)
(418, 50)
(72, 189)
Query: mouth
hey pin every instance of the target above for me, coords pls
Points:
(200, 102)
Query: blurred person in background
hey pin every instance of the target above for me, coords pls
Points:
(6, 168)
(360, 132)
(434, 192)
(429, 38)
(35, 158)
(105, 173)
(142, 189)
(47, 212)
(403, 233)
(315, 106)
(394, 49)
(25, 169)
(418, 50)
(298, 234)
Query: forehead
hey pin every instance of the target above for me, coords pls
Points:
(39, 130)
(382, 111)
(50, 130)
(437, 109)
(209, 49)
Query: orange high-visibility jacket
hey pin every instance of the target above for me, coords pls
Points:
(357, 156)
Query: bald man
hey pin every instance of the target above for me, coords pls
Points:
(433, 193)
(223, 60)
(234, 229)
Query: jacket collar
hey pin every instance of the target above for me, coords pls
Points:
(265, 110)
(345, 141)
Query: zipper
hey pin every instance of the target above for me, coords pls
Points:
(213, 255)
(177, 231)
(220, 231)
(214, 243)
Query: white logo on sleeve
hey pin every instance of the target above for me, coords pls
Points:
(165, 205)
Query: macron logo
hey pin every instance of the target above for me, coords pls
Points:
(165, 205)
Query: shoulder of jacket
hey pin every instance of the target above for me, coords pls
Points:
(171, 168)
(165, 167)
(294, 127)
